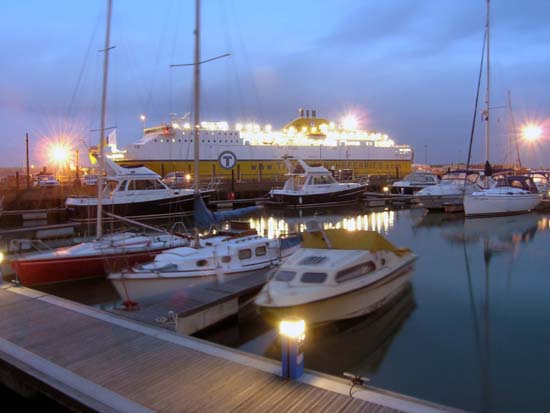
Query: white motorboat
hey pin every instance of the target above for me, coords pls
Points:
(336, 275)
(134, 192)
(450, 190)
(220, 257)
(313, 186)
(414, 182)
(511, 195)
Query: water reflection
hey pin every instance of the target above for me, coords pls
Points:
(275, 226)
(358, 345)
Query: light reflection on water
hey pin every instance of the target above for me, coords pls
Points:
(273, 226)
(469, 332)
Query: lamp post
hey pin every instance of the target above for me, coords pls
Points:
(292, 332)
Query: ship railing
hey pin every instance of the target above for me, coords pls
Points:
(20, 245)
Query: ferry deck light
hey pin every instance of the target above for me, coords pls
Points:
(349, 122)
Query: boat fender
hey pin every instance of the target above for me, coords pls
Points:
(130, 305)
(231, 196)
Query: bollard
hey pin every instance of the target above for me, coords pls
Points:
(292, 334)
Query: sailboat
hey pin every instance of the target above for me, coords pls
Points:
(511, 195)
(211, 257)
(93, 258)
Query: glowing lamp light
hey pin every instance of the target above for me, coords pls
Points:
(59, 153)
(385, 189)
(293, 328)
(142, 118)
(349, 122)
(187, 177)
(1, 257)
(531, 132)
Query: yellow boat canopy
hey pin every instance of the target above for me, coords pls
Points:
(342, 239)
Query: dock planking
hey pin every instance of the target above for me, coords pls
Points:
(107, 363)
(192, 300)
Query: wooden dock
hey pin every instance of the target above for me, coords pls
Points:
(195, 308)
(92, 360)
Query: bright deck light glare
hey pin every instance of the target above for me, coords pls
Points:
(349, 122)
(187, 177)
(531, 132)
(292, 328)
(1, 257)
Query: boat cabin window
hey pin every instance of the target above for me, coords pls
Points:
(260, 251)
(110, 186)
(122, 186)
(314, 277)
(245, 254)
(226, 258)
(285, 275)
(355, 271)
(322, 180)
(201, 263)
(144, 185)
(313, 260)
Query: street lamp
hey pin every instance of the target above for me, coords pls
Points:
(531, 132)
(143, 118)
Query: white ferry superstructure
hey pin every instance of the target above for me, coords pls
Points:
(253, 152)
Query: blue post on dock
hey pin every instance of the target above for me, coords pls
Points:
(292, 355)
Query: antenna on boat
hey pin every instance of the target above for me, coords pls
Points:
(488, 90)
(99, 227)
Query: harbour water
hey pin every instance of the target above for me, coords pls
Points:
(468, 331)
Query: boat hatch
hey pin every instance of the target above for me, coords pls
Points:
(313, 260)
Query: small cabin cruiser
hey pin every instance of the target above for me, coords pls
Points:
(414, 182)
(336, 275)
(510, 195)
(221, 256)
(134, 192)
(450, 190)
(313, 186)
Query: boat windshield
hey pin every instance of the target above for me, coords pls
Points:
(295, 183)
(422, 177)
(521, 182)
(459, 176)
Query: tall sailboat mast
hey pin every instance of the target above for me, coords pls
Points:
(488, 90)
(196, 91)
(99, 228)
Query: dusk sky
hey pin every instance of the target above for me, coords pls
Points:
(408, 67)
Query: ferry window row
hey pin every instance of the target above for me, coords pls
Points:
(191, 140)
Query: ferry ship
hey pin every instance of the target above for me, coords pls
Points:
(250, 152)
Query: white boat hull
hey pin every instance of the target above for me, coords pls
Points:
(146, 288)
(490, 205)
(353, 304)
(440, 201)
